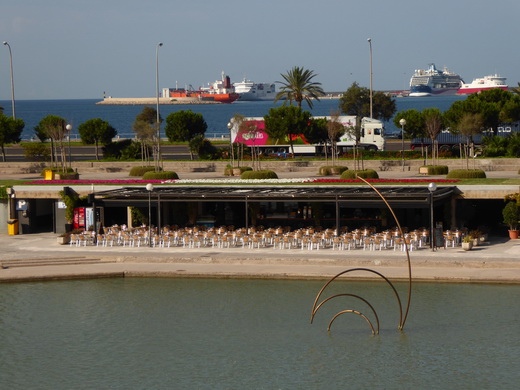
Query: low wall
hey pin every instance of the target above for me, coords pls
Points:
(488, 165)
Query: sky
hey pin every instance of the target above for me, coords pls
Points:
(79, 49)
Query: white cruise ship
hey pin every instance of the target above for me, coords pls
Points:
(250, 91)
(431, 81)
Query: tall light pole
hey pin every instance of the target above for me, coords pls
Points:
(69, 128)
(402, 122)
(149, 188)
(12, 79)
(157, 95)
(432, 187)
(370, 45)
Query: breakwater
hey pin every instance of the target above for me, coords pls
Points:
(110, 101)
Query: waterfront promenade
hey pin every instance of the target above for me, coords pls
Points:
(34, 257)
(39, 257)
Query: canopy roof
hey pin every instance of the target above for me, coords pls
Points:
(405, 196)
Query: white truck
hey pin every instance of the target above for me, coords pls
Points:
(254, 135)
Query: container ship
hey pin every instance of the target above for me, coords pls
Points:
(484, 83)
(431, 81)
(220, 91)
(251, 91)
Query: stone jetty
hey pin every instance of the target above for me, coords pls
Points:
(153, 101)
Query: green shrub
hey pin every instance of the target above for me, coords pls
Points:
(140, 171)
(58, 170)
(123, 150)
(366, 174)
(264, 174)
(332, 170)
(67, 175)
(3, 192)
(36, 151)
(513, 145)
(229, 170)
(466, 174)
(436, 169)
(165, 175)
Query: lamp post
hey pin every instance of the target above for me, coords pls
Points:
(432, 187)
(402, 122)
(231, 153)
(149, 188)
(370, 46)
(12, 79)
(69, 128)
(157, 95)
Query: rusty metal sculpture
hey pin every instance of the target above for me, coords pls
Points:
(402, 318)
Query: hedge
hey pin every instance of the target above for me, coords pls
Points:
(140, 171)
(332, 170)
(365, 174)
(436, 169)
(165, 175)
(229, 170)
(466, 174)
(264, 174)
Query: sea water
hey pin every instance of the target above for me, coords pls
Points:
(217, 116)
(254, 334)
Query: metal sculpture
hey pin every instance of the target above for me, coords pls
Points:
(402, 318)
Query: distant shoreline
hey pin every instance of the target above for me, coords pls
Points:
(149, 101)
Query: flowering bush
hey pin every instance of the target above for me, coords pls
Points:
(111, 181)
(243, 181)
(403, 181)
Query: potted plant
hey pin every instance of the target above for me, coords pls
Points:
(64, 239)
(467, 243)
(511, 214)
(477, 237)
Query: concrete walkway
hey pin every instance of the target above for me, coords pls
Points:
(38, 257)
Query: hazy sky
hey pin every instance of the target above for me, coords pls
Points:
(79, 48)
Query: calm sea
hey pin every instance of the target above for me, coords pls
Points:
(217, 116)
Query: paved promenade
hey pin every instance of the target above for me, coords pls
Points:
(36, 257)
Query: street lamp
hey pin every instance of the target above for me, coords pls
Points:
(432, 187)
(402, 122)
(149, 188)
(69, 128)
(157, 95)
(231, 153)
(12, 79)
(370, 45)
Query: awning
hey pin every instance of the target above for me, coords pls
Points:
(359, 196)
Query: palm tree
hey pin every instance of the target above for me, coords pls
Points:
(516, 89)
(298, 86)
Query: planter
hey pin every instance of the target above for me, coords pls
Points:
(467, 246)
(63, 240)
(476, 241)
(67, 176)
(513, 234)
(237, 171)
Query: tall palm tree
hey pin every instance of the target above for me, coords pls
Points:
(298, 86)
(516, 89)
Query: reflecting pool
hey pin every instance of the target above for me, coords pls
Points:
(254, 334)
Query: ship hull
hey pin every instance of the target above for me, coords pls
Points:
(427, 91)
(468, 91)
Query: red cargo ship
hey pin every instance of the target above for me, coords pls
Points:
(221, 91)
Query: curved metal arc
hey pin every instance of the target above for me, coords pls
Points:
(348, 295)
(354, 312)
(368, 270)
(402, 322)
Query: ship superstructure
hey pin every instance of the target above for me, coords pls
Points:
(433, 81)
